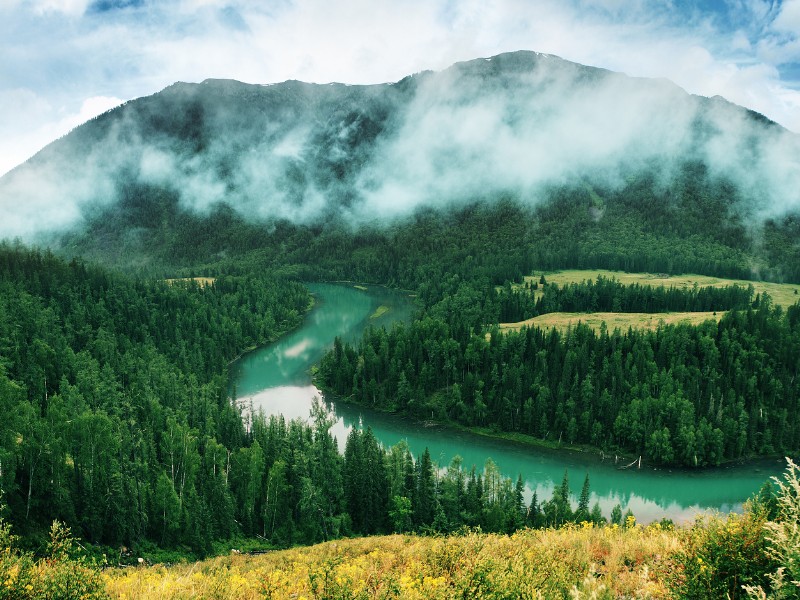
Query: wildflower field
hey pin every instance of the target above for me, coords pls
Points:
(529, 564)
(751, 555)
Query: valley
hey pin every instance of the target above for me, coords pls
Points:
(626, 296)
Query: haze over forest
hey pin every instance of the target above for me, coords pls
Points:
(518, 126)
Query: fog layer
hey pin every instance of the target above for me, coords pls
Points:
(514, 125)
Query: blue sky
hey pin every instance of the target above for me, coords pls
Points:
(64, 61)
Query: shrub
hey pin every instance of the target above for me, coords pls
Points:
(783, 540)
(57, 577)
(721, 555)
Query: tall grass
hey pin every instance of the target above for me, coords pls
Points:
(588, 561)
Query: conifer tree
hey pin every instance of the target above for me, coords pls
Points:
(582, 514)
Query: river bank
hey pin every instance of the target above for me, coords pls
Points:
(277, 380)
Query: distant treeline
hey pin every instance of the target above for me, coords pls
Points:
(609, 295)
(691, 226)
(678, 395)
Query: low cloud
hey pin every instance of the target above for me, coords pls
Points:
(464, 134)
(64, 51)
(464, 143)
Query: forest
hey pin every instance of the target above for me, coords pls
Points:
(117, 418)
(682, 395)
(115, 382)
(118, 423)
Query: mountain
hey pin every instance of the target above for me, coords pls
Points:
(579, 151)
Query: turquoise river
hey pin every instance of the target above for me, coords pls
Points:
(277, 380)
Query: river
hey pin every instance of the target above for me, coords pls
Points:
(276, 380)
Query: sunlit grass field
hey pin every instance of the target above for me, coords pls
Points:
(620, 562)
(784, 294)
(201, 281)
(613, 321)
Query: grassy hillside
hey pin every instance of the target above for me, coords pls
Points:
(613, 321)
(716, 557)
(529, 564)
(783, 294)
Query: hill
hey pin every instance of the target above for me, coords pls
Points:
(602, 170)
(715, 558)
(737, 556)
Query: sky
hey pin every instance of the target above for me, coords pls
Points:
(63, 62)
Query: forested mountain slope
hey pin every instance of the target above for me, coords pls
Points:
(116, 416)
(600, 169)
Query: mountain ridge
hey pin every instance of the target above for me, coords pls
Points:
(524, 125)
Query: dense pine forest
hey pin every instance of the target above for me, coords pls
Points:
(118, 423)
(678, 395)
(117, 419)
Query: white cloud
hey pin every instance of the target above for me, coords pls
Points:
(63, 57)
(69, 7)
(789, 18)
(90, 108)
(36, 123)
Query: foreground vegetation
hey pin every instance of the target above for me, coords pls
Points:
(753, 555)
(735, 556)
(528, 564)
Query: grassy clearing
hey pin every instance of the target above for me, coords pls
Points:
(784, 294)
(201, 281)
(380, 311)
(613, 321)
(529, 564)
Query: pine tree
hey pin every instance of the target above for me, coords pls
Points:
(534, 517)
(518, 510)
(582, 514)
(596, 516)
(616, 515)
(561, 496)
(424, 509)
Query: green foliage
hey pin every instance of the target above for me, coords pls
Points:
(783, 540)
(610, 295)
(683, 395)
(117, 418)
(720, 555)
(62, 575)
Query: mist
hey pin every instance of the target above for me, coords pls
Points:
(515, 125)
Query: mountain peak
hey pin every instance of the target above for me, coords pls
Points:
(517, 124)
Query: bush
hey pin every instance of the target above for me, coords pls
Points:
(721, 555)
(783, 540)
(57, 577)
